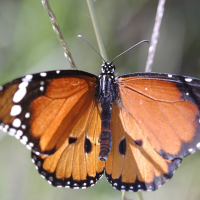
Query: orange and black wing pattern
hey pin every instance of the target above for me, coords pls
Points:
(154, 124)
(56, 115)
(75, 164)
(145, 124)
(41, 109)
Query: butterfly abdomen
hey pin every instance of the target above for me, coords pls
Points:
(107, 94)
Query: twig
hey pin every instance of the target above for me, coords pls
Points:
(155, 35)
(139, 195)
(58, 32)
(97, 30)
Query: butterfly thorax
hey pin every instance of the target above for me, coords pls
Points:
(106, 79)
(107, 94)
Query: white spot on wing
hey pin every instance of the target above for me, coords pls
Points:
(198, 145)
(27, 115)
(24, 140)
(19, 95)
(51, 178)
(1, 87)
(43, 74)
(15, 110)
(23, 126)
(19, 134)
(190, 150)
(5, 128)
(28, 147)
(27, 78)
(58, 72)
(188, 79)
(31, 144)
(42, 88)
(48, 181)
(169, 75)
(16, 123)
(12, 131)
(39, 163)
(42, 176)
(23, 85)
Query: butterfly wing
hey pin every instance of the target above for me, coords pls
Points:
(166, 108)
(42, 109)
(75, 164)
(155, 123)
(133, 165)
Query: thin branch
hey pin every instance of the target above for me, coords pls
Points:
(123, 195)
(155, 35)
(58, 32)
(139, 194)
(97, 30)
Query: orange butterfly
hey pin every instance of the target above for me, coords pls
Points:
(137, 127)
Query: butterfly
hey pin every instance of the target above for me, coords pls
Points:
(136, 127)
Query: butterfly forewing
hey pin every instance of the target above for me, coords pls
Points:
(40, 109)
(166, 109)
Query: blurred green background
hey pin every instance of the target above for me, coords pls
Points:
(28, 45)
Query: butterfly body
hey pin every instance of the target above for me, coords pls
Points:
(137, 127)
(107, 95)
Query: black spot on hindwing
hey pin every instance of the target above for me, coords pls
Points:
(122, 147)
(88, 145)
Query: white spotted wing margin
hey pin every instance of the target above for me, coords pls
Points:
(138, 185)
(67, 182)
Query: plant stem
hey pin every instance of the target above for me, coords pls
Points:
(97, 30)
(155, 35)
(58, 32)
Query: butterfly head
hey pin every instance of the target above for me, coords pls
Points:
(107, 68)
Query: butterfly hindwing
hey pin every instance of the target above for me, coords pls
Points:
(75, 164)
(133, 164)
(41, 109)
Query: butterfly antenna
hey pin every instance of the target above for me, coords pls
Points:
(80, 36)
(130, 49)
